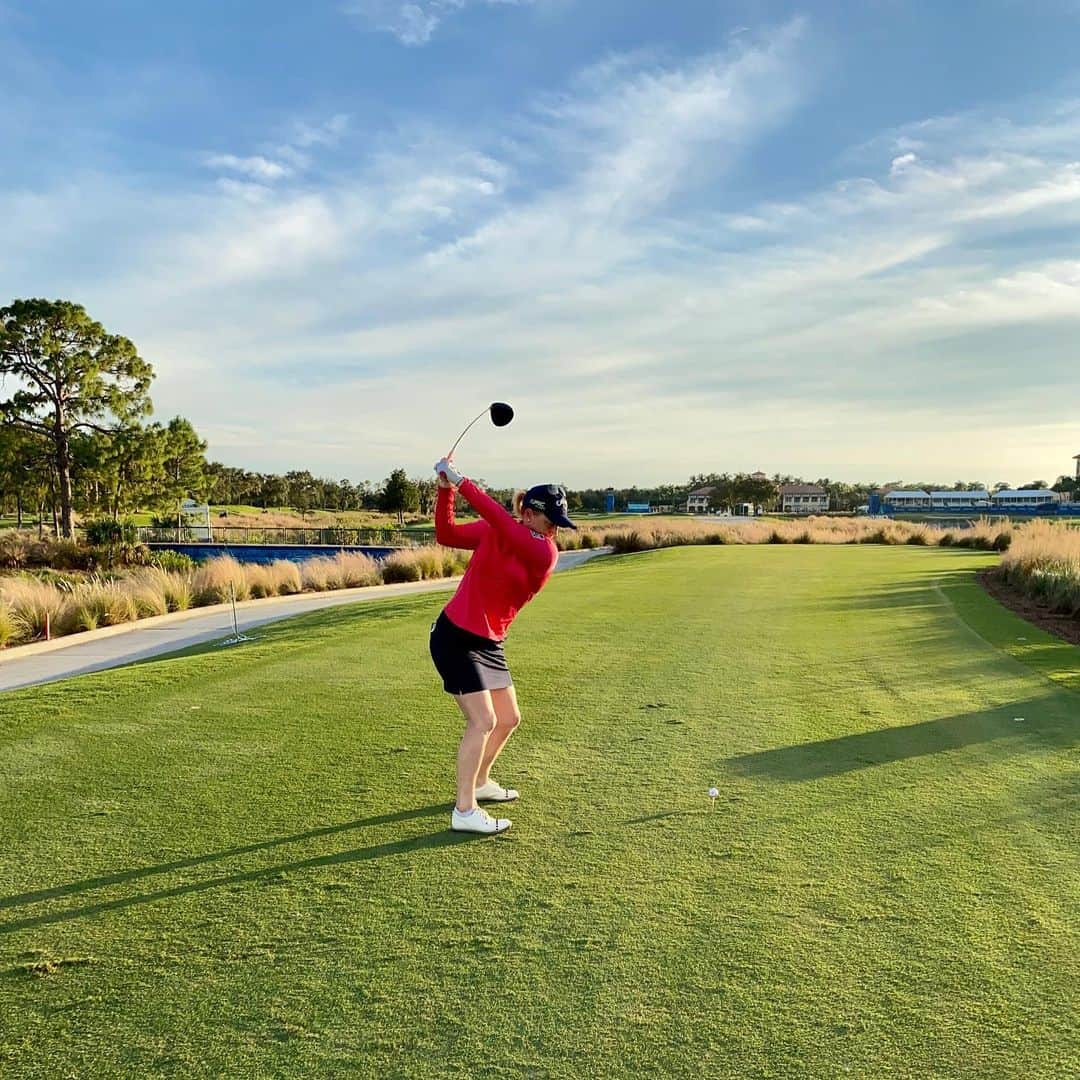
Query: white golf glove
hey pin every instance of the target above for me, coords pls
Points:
(447, 469)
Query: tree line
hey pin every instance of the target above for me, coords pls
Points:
(74, 438)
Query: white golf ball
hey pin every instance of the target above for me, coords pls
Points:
(713, 792)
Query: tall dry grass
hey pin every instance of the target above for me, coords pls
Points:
(217, 581)
(1043, 560)
(10, 628)
(346, 570)
(36, 606)
(423, 564)
(286, 577)
(646, 535)
(97, 603)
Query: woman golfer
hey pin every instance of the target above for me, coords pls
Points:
(513, 559)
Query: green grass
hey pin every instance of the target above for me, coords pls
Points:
(234, 863)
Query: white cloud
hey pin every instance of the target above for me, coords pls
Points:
(256, 167)
(591, 262)
(901, 162)
(415, 22)
(328, 133)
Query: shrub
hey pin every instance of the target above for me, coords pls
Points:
(14, 550)
(175, 561)
(589, 541)
(69, 555)
(104, 532)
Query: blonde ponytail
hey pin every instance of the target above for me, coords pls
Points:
(519, 498)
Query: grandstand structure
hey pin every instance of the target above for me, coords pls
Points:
(1034, 501)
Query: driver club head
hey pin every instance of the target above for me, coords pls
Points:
(501, 414)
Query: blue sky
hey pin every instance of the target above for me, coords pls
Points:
(829, 239)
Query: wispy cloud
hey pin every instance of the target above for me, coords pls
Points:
(256, 167)
(594, 260)
(415, 22)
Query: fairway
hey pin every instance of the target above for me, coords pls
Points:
(236, 863)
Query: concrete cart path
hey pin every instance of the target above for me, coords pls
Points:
(115, 646)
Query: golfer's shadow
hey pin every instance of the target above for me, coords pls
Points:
(443, 838)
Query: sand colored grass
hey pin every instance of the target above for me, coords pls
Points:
(648, 534)
(218, 581)
(10, 629)
(107, 603)
(286, 577)
(1044, 561)
(36, 606)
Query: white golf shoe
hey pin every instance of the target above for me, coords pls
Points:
(477, 821)
(492, 792)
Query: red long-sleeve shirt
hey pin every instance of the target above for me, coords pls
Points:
(510, 566)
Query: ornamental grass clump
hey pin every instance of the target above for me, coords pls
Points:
(1043, 560)
(10, 629)
(454, 561)
(147, 589)
(401, 566)
(286, 577)
(215, 580)
(318, 575)
(97, 603)
(988, 534)
(355, 570)
(15, 549)
(37, 607)
(260, 581)
(430, 562)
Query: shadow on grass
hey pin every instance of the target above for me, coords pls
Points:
(121, 876)
(909, 592)
(377, 851)
(1045, 721)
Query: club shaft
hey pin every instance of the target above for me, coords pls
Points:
(465, 432)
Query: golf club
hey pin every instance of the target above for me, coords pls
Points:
(501, 415)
